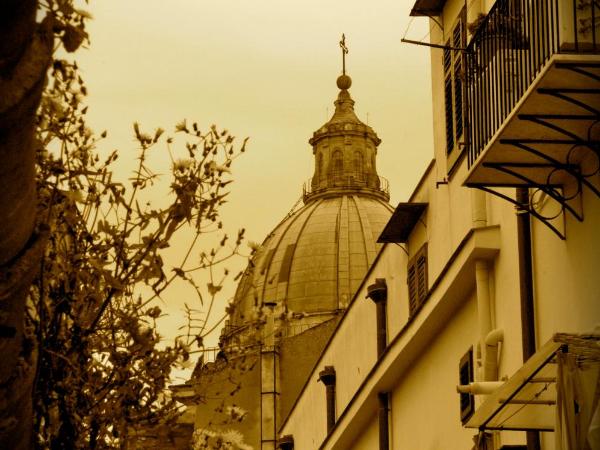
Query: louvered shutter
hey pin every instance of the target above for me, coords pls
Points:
(417, 280)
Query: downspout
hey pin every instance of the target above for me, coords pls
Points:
(384, 432)
(327, 377)
(490, 366)
(526, 291)
(489, 339)
(484, 316)
(478, 208)
(377, 292)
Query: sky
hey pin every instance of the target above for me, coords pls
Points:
(266, 70)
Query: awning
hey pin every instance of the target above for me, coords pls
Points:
(403, 220)
(527, 401)
(427, 8)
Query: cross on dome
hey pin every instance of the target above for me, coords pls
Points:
(344, 81)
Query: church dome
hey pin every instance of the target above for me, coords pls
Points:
(311, 264)
(315, 259)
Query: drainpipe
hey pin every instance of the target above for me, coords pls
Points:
(269, 380)
(484, 316)
(478, 208)
(377, 292)
(384, 433)
(327, 377)
(490, 366)
(482, 283)
(479, 387)
(526, 291)
(489, 339)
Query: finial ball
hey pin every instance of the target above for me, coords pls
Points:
(344, 82)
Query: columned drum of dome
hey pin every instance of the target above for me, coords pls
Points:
(345, 152)
(311, 264)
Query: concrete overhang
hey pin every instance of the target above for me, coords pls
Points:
(446, 295)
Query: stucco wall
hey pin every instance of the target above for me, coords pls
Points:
(235, 384)
(567, 283)
(369, 439)
(298, 355)
(426, 413)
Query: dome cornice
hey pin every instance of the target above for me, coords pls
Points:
(344, 129)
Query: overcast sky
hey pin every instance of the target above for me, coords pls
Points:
(263, 69)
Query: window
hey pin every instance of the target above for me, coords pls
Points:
(465, 376)
(453, 87)
(319, 166)
(417, 280)
(358, 165)
(337, 164)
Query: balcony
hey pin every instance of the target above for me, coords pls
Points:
(340, 183)
(533, 103)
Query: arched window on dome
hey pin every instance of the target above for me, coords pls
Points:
(320, 166)
(337, 165)
(358, 166)
(373, 181)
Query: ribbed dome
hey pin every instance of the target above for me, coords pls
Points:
(315, 259)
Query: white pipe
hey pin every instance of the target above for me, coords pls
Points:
(494, 337)
(484, 316)
(479, 363)
(479, 388)
(478, 208)
(490, 369)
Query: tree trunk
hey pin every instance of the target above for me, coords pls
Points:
(25, 53)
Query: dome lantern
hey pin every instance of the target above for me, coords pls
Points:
(345, 150)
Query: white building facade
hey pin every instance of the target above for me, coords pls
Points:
(488, 282)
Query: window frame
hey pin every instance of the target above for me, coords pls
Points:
(453, 65)
(466, 362)
(418, 267)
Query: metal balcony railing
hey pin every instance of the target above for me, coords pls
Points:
(371, 182)
(207, 354)
(511, 47)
